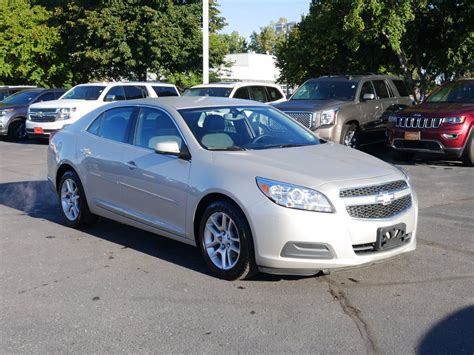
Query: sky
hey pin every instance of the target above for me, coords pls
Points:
(246, 16)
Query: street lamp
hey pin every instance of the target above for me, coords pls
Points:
(205, 41)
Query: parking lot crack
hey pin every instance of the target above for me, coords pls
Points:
(354, 314)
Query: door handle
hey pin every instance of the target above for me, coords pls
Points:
(86, 152)
(131, 165)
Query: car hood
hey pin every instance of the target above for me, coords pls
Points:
(309, 166)
(307, 105)
(5, 106)
(58, 103)
(438, 109)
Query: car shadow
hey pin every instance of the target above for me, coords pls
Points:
(452, 335)
(37, 200)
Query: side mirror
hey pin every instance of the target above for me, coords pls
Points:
(368, 97)
(110, 98)
(172, 148)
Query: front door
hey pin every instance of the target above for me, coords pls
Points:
(155, 187)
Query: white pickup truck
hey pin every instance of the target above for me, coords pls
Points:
(50, 116)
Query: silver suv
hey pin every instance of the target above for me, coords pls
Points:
(352, 110)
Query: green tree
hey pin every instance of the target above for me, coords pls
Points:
(29, 46)
(235, 42)
(266, 40)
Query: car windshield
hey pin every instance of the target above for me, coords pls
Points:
(326, 90)
(89, 92)
(208, 91)
(245, 128)
(20, 98)
(457, 92)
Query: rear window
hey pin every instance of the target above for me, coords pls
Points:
(401, 87)
(274, 93)
(162, 91)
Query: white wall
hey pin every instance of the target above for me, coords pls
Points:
(250, 67)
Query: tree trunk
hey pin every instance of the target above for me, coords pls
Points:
(408, 76)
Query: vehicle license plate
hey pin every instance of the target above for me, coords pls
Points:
(38, 130)
(391, 237)
(412, 136)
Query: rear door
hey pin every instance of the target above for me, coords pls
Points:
(155, 186)
(100, 152)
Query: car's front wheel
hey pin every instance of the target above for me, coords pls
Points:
(350, 136)
(468, 154)
(73, 203)
(17, 130)
(225, 241)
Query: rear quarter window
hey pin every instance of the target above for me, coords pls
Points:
(162, 91)
(274, 93)
(401, 88)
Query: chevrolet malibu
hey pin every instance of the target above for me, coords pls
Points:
(250, 187)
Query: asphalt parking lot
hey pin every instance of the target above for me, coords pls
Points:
(113, 288)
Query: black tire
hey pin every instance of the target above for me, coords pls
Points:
(401, 156)
(245, 266)
(468, 154)
(17, 130)
(350, 136)
(84, 217)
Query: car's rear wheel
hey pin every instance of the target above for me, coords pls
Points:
(401, 156)
(468, 154)
(225, 241)
(17, 130)
(73, 203)
(350, 136)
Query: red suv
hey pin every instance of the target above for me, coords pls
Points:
(442, 124)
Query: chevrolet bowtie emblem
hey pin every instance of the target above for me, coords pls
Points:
(40, 114)
(385, 198)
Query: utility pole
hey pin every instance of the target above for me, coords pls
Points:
(205, 41)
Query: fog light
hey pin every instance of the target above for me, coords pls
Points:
(450, 135)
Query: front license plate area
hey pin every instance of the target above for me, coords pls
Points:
(391, 237)
(38, 130)
(412, 136)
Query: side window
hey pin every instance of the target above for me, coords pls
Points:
(58, 94)
(367, 88)
(162, 91)
(116, 123)
(401, 88)
(155, 126)
(258, 93)
(46, 97)
(242, 93)
(135, 92)
(95, 126)
(273, 93)
(381, 89)
(115, 94)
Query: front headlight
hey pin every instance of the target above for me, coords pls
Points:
(328, 117)
(6, 111)
(454, 120)
(293, 196)
(65, 112)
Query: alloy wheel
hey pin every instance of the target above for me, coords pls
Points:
(349, 138)
(70, 199)
(222, 241)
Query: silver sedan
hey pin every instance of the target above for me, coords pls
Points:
(249, 186)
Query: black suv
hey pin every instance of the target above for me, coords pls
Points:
(14, 109)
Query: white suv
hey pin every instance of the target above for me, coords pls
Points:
(50, 116)
(262, 92)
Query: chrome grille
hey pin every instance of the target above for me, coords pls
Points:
(378, 210)
(418, 122)
(374, 189)
(43, 114)
(305, 118)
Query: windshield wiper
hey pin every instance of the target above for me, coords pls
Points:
(233, 148)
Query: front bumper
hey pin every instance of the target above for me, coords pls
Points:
(334, 235)
(47, 128)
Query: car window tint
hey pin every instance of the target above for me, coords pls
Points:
(401, 88)
(58, 94)
(274, 93)
(135, 92)
(162, 91)
(116, 93)
(155, 126)
(258, 93)
(367, 88)
(242, 93)
(95, 126)
(116, 124)
(46, 97)
(381, 89)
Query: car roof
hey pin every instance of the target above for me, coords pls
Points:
(233, 84)
(184, 102)
(355, 77)
(127, 83)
